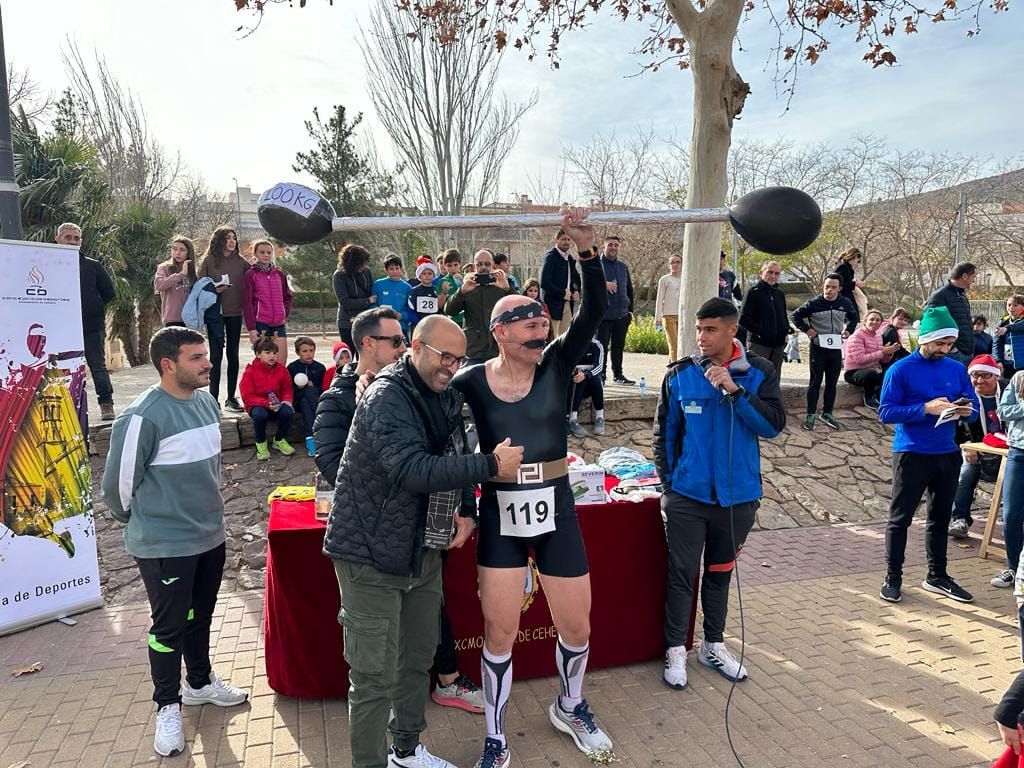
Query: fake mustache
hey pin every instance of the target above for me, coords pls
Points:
(535, 343)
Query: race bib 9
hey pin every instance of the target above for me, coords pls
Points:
(830, 340)
(528, 513)
(426, 305)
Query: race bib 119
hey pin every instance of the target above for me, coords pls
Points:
(527, 513)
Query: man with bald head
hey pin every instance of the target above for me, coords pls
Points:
(406, 452)
(521, 395)
(764, 316)
(481, 289)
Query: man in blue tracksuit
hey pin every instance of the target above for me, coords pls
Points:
(925, 457)
(712, 409)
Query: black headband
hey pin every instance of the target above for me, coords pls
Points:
(518, 312)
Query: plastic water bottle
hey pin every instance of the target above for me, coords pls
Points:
(273, 400)
(643, 386)
(324, 497)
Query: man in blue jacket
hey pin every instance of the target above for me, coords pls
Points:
(713, 408)
(925, 457)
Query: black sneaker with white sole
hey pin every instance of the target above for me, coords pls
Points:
(892, 589)
(944, 585)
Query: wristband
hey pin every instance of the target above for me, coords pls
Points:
(588, 254)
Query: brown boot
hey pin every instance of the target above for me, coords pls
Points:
(107, 411)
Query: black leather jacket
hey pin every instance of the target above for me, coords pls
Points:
(392, 462)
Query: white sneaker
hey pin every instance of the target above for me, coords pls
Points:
(418, 759)
(170, 738)
(580, 725)
(215, 692)
(717, 656)
(675, 667)
(1003, 579)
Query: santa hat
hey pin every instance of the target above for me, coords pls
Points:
(338, 348)
(985, 364)
(424, 260)
(424, 265)
(937, 324)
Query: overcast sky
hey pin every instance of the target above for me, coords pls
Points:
(234, 106)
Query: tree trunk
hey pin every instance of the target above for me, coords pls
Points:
(718, 95)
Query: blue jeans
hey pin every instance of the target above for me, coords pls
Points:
(306, 399)
(260, 417)
(970, 475)
(1013, 506)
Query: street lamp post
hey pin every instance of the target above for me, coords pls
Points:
(10, 209)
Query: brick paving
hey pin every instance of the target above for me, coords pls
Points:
(837, 678)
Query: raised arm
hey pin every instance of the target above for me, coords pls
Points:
(570, 346)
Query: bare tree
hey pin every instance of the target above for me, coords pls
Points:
(137, 167)
(611, 172)
(25, 93)
(437, 102)
(198, 215)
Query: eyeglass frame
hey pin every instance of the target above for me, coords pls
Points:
(443, 355)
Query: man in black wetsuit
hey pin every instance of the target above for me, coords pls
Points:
(521, 395)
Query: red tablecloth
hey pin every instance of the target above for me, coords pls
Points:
(303, 641)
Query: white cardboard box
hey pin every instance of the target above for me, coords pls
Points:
(587, 486)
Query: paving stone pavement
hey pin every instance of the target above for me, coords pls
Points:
(837, 678)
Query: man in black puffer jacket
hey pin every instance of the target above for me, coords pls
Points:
(377, 334)
(953, 296)
(406, 445)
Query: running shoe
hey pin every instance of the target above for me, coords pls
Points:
(418, 759)
(892, 589)
(830, 421)
(494, 755)
(959, 528)
(944, 585)
(461, 693)
(675, 667)
(580, 725)
(577, 429)
(1003, 579)
(215, 692)
(809, 422)
(170, 738)
(599, 425)
(718, 657)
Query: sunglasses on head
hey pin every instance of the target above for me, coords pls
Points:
(396, 341)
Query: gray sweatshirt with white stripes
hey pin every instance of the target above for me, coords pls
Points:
(162, 475)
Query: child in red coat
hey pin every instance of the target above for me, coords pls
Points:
(266, 389)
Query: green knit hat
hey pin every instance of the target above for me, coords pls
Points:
(937, 323)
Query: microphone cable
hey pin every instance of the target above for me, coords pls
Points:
(739, 591)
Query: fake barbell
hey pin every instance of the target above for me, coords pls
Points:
(775, 220)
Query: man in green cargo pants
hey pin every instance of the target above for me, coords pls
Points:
(405, 456)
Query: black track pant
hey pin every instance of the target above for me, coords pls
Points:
(694, 529)
(613, 332)
(182, 594)
(827, 364)
(590, 387)
(913, 474)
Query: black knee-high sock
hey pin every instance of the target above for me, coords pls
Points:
(496, 672)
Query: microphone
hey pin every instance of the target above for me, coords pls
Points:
(705, 362)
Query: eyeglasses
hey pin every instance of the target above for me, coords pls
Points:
(396, 341)
(982, 375)
(447, 358)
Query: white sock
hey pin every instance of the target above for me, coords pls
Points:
(571, 663)
(574, 415)
(599, 414)
(496, 674)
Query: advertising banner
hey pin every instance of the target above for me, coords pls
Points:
(48, 563)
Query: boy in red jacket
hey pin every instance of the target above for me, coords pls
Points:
(266, 389)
